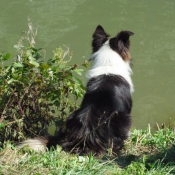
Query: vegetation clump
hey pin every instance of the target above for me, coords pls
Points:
(35, 94)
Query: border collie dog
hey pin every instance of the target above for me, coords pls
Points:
(103, 120)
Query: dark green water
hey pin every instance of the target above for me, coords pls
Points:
(72, 22)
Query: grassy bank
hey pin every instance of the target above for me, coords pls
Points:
(145, 153)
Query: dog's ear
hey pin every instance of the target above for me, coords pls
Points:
(123, 37)
(121, 44)
(99, 37)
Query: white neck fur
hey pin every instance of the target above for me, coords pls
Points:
(106, 61)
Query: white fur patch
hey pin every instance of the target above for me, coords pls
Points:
(106, 61)
(36, 144)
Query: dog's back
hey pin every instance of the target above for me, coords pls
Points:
(103, 120)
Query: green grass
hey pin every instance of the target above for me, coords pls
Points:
(145, 153)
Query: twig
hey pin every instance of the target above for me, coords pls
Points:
(2, 115)
(149, 129)
(158, 126)
(31, 132)
(27, 88)
(115, 112)
(19, 104)
(6, 106)
(15, 121)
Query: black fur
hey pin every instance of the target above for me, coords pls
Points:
(103, 120)
(99, 37)
(121, 44)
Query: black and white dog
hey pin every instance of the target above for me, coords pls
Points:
(103, 120)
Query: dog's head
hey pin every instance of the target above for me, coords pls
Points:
(120, 43)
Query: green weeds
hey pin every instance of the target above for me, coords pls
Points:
(34, 93)
(137, 159)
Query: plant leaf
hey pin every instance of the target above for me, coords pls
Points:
(17, 65)
(6, 57)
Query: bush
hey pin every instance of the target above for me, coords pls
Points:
(35, 94)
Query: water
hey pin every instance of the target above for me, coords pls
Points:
(72, 22)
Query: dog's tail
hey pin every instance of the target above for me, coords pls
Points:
(36, 144)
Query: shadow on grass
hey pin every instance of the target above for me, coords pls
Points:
(159, 158)
(166, 157)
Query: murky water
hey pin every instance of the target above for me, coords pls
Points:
(72, 22)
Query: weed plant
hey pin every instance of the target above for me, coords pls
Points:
(34, 93)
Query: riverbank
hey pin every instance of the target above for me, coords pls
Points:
(145, 153)
(37, 94)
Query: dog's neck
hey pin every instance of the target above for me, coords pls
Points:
(106, 61)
